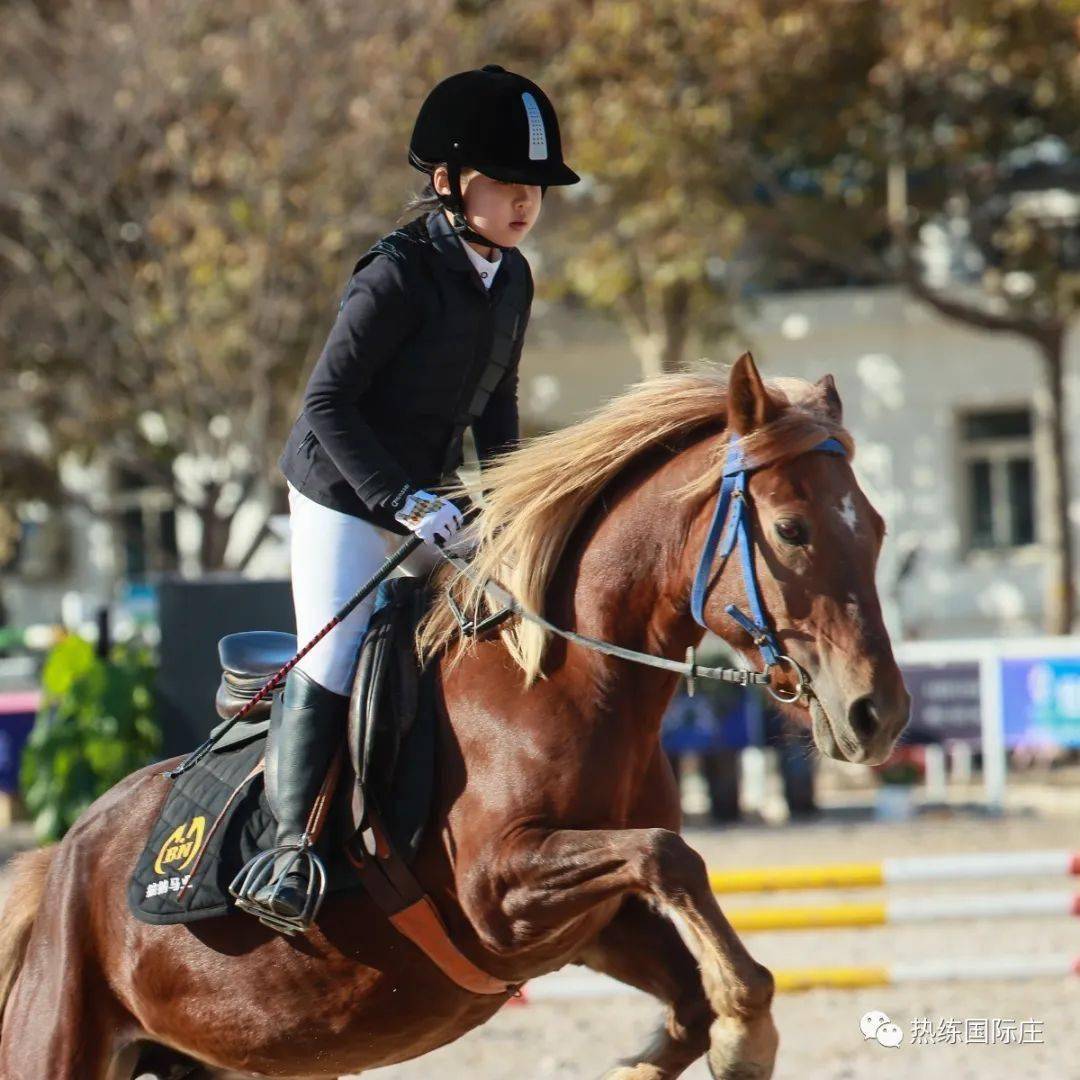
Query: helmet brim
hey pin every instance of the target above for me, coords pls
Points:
(543, 174)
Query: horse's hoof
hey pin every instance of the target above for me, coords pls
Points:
(740, 1050)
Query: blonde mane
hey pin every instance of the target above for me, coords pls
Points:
(533, 497)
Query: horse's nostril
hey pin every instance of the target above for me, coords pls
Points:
(863, 717)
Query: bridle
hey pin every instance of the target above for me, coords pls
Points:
(732, 491)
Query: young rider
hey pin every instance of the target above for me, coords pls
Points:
(426, 343)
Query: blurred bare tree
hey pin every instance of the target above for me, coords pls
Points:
(183, 188)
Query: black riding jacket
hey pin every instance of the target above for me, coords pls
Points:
(420, 350)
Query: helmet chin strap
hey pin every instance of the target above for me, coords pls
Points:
(462, 227)
(455, 204)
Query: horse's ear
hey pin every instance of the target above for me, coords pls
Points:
(749, 403)
(831, 398)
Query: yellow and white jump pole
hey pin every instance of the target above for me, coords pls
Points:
(898, 871)
(887, 912)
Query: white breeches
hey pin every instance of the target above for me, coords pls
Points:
(332, 555)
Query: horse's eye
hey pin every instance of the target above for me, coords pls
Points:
(792, 532)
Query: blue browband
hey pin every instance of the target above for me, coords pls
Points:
(734, 488)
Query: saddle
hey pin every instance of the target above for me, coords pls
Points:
(375, 802)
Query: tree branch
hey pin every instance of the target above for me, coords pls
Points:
(971, 314)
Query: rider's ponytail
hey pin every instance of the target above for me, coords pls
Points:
(422, 202)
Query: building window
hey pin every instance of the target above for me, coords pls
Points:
(997, 458)
(146, 527)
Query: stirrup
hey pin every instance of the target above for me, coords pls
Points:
(259, 872)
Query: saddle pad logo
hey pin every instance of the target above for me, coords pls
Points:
(181, 847)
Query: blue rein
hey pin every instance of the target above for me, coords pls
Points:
(733, 490)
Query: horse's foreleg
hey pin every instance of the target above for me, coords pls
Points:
(642, 948)
(743, 1038)
(542, 885)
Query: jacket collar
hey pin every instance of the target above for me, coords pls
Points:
(446, 243)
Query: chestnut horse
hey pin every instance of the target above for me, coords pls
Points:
(554, 836)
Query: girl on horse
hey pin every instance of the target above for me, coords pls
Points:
(426, 343)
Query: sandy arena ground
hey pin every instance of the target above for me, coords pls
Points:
(819, 1030)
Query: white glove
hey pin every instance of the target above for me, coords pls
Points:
(431, 517)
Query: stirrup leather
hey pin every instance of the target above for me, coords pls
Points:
(259, 872)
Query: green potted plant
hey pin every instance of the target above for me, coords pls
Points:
(95, 726)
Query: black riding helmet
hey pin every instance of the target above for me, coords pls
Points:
(492, 120)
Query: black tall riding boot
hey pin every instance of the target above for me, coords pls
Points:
(303, 738)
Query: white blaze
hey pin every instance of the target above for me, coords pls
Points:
(846, 510)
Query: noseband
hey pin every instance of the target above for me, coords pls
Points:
(732, 506)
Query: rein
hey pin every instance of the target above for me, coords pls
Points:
(690, 670)
(732, 491)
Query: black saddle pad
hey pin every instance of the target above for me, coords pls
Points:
(216, 817)
(184, 871)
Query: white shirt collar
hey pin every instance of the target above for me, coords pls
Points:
(484, 268)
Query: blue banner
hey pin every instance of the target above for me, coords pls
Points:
(945, 702)
(17, 712)
(1040, 701)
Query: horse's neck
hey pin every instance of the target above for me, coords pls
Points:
(627, 587)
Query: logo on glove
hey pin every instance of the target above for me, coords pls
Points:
(418, 506)
(431, 517)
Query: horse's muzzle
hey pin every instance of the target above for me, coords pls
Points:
(864, 733)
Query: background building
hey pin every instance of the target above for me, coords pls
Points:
(945, 422)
